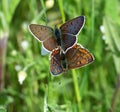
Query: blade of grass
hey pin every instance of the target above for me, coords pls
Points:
(60, 3)
(77, 91)
(44, 8)
(92, 20)
(3, 109)
(115, 96)
(3, 43)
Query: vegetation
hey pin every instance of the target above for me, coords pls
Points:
(26, 84)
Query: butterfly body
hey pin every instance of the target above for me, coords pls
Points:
(63, 61)
(57, 34)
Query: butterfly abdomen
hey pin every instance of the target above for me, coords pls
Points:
(63, 61)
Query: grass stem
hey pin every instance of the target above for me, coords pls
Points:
(3, 42)
(115, 96)
(60, 3)
(77, 91)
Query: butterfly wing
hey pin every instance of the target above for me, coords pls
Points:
(50, 44)
(44, 34)
(78, 56)
(44, 51)
(40, 32)
(73, 26)
(68, 41)
(55, 62)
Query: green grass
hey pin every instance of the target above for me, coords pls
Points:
(94, 88)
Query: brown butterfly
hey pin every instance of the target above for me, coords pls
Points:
(75, 57)
(64, 37)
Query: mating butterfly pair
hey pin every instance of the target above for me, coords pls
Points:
(62, 43)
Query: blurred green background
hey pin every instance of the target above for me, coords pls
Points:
(26, 84)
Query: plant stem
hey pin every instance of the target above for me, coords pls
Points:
(44, 8)
(3, 42)
(115, 96)
(60, 3)
(77, 91)
(92, 20)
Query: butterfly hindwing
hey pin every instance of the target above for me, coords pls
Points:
(78, 56)
(55, 62)
(50, 44)
(67, 41)
(73, 26)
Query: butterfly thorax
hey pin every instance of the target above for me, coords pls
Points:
(58, 36)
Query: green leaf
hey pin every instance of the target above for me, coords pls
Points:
(113, 40)
(2, 109)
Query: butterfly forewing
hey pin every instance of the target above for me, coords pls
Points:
(78, 56)
(73, 26)
(67, 41)
(40, 32)
(55, 62)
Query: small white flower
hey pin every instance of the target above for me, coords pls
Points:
(22, 76)
(104, 37)
(49, 3)
(18, 67)
(102, 29)
(24, 26)
(24, 44)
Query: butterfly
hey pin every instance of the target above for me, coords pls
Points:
(73, 58)
(64, 37)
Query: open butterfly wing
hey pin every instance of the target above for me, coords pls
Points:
(40, 32)
(73, 26)
(55, 62)
(44, 34)
(78, 56)
(67, 41)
